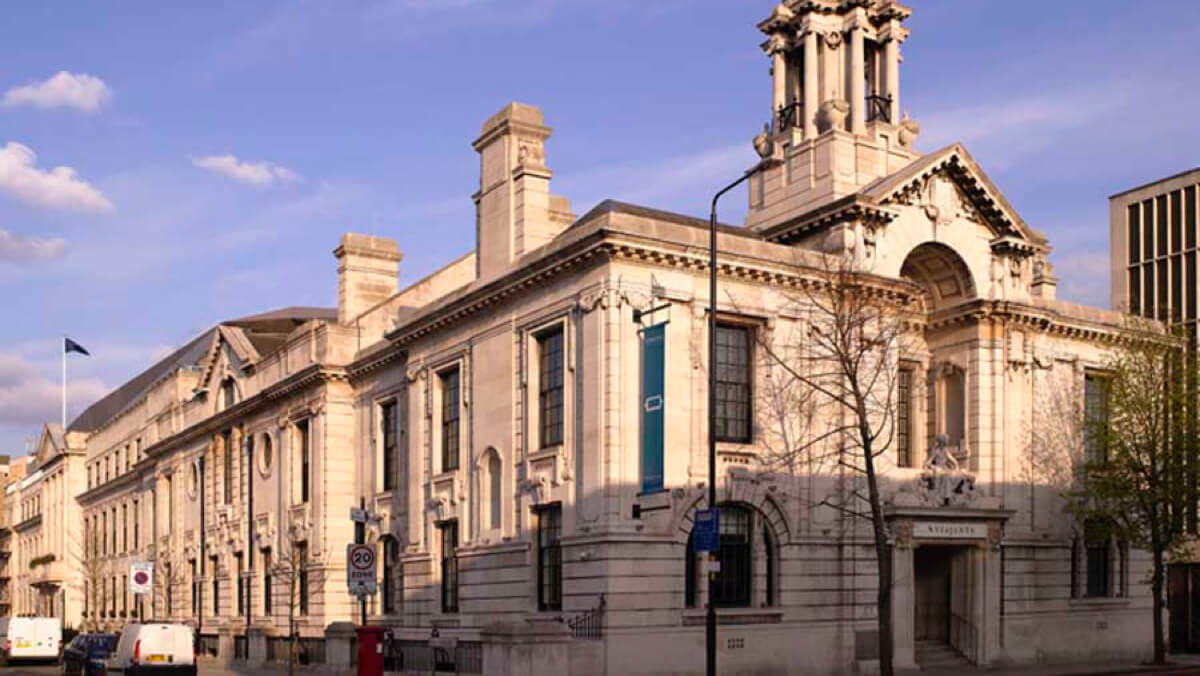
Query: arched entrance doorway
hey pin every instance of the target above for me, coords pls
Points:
(941, 272)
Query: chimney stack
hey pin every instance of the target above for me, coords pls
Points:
(368, 273)
(515, 212)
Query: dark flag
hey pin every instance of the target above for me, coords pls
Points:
(70, 346)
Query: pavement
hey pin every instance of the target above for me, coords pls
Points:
(1182, 665)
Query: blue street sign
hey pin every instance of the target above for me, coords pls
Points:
(706, 534)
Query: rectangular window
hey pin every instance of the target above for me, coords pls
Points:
(450, 406)
(1134, 234)
(387, 417)
(1095, 411)
(1189, 216)
(216, 589)
(1176, 288)
(550, 387)
(195, 589)
(167, 589)
(389, 572)
(1176, 221)
(732, 584)
(170, 501)
(733, 383)
(1097, 569)
(1190, 264)
(1147, 291)
(449, 532)
(904, 417)
(1160, 217)
(549, 531)
(302, 565)
(241, 583)
(124, 528)
(266, 566)
(1161, 292)
(305, 459)
(1147, 229)
(136, 544)
(227, 467)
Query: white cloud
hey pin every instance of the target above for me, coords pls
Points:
(63, 90)
(253, 173)
(29, 396)
(57, 188)
(16, 248)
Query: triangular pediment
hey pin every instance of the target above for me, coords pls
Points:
(949, 183)
(51, 444)
(229, 347)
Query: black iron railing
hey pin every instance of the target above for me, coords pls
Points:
(789, 115)
(309, 650)
(879, 107)
(465, 658)
(589, 624)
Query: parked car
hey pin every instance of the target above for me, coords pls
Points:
(86, 654)
(30, 638)
(154, 648)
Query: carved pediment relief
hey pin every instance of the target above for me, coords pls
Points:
(941, 199)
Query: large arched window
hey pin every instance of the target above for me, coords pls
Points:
(745, 541)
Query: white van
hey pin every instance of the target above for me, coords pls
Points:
(154, 648)
(30, 638)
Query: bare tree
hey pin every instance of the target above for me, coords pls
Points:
(1134, 486)
(291, 571)
(95, 579)
(830, 396)
(168, 576)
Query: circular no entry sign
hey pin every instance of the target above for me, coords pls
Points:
(141, 577)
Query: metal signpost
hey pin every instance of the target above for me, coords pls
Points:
(141, 577)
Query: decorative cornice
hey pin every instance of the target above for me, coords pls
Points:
(307, 377)
(848, 209)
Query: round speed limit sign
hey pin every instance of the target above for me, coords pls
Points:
(362, 557)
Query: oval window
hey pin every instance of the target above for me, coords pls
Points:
(266, 456)
(193, 478)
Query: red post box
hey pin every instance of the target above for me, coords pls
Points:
(370, 651)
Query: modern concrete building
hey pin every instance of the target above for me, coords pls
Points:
(1152, 231)
(493, 418)
(1153, 240)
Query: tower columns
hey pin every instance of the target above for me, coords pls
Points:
(858, 84)
(779, 86)
(891, 57)
(810, 84)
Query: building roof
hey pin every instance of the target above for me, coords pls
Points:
(1154, 182)
(265, 331)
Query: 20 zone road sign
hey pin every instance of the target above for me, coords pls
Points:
(360, 569)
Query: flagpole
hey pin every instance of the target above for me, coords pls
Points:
(64, 384)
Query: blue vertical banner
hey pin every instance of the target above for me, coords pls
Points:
(654, 342)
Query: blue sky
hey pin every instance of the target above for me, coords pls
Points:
(216, 151)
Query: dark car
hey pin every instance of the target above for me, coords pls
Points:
(86, 653)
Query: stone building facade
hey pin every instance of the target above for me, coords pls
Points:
(490, 418)
(44, 530)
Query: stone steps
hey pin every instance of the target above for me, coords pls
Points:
(938, 655)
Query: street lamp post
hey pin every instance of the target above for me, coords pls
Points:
(710, 616)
